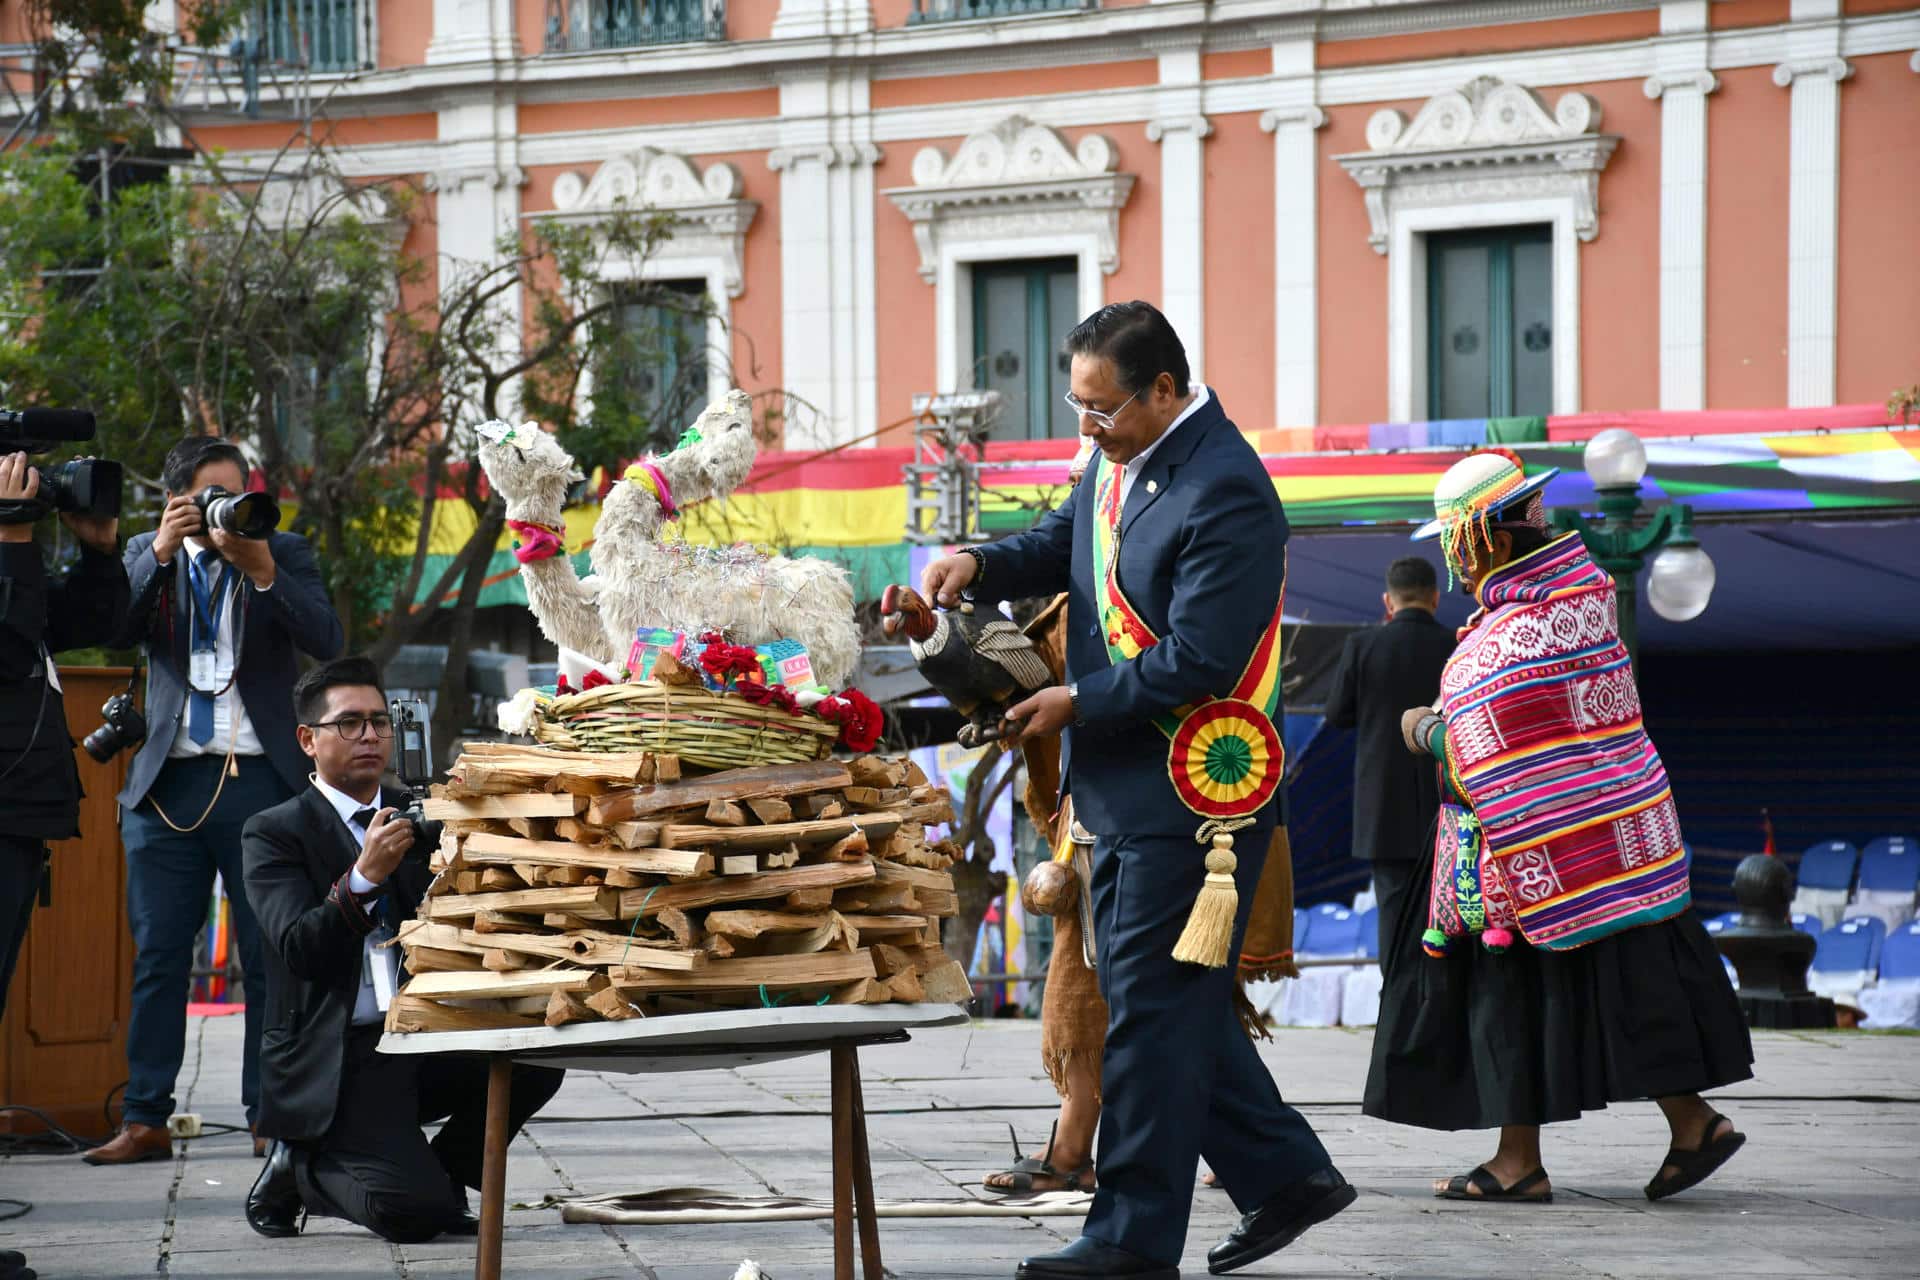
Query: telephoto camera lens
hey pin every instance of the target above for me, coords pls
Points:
(124, 726)
(245, 515)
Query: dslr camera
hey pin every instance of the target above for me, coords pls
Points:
(245, 515)
(413, 761)
(124, 727)
(83, 486)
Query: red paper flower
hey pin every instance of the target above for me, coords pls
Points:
(594, 679)
(858, 716)
(560, 685)
(768, 695)
(725, 662)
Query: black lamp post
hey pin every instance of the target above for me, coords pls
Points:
(1681, 581)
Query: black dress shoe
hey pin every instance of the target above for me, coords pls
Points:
(1282, 1219)
(1090, 1259)
(274, 1206)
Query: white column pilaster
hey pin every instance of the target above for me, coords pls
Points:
(477, 179)
(1813, 70)
(1681, 83)
(1181, 130)
(828, 327)
(473, 30)
(1296, 236)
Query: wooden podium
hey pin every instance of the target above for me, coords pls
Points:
(63, 1040)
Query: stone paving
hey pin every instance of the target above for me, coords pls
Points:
(1829, 1184)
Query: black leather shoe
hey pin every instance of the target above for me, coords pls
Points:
(1282, 1220)
(274, 1206)
(1090, 1259)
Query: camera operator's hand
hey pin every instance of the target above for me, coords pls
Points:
(388, 839)
(249, 555)
(21, 483)
(180, 521)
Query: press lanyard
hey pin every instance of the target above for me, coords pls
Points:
(209, 607)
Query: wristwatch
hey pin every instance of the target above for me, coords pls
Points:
(1073, 700)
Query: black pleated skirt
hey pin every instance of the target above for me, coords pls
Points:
(1474, 1040)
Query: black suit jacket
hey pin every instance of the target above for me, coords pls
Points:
(294, 613)
(1202, 558)
(297, 856)
(1383, 671)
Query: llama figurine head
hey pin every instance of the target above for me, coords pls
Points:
(528, 469)
(716, 457)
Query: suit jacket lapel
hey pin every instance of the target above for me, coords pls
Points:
(1157, 475)
(336, 851)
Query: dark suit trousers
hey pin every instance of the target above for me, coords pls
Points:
(376, 1167)
(169, 884)
(1180, 1079)
(22, 862)
(1393, 880)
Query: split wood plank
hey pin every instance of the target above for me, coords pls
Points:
(564, 1007)
(497, 850)
(884, 925)
(589, 902)
(877, 826)
(770, 810)
(526, 804)
(918, 877)
(482, 986)
(707, 893)
(946, 984)
(585, 947)
(611, 1005)
(751, 924)
(731, 784)
(410, 1014)
(776, 973)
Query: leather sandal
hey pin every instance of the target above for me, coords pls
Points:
(1691, 1168)
(1025, 1170)
(1482, 1185)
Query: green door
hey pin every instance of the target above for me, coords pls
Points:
(1021, 311)
(1490, 323)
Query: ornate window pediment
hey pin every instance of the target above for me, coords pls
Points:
(1486, 143)
(1013, 180)
(710, 217)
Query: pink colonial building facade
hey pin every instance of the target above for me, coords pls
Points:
(1352, 210)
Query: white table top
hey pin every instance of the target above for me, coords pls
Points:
(686, 1041)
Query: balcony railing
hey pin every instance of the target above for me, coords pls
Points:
(966, 10)
(578, 26)
(322, 35)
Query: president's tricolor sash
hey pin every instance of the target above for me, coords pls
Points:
(1224, 755)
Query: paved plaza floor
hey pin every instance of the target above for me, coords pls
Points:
(1829, 1184)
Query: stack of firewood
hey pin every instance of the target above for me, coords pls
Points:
(578, 886)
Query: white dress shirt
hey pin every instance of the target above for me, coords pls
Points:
(230, 722)
(380, 966)
(1131, 472)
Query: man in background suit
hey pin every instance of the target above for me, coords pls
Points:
(332, 873)
(220, 617)
(1384, 670)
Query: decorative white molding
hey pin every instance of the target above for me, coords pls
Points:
(1296, 273)
(1010, 180)
(1489, 141)
(1701, 82)
(1487, 155)
(1195, 127)
(1311, 117)
(1813, 220)
(710, 216)
(829, 154)
(1681, 83)
(493, 177)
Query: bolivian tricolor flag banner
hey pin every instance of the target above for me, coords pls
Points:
(1224, 755)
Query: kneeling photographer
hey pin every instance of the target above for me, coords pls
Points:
(222, 604)
(333, 873)
(43, 616)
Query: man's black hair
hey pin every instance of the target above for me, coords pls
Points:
(1139, 341)
(185, 459)
(1412, 578)
(310, 690)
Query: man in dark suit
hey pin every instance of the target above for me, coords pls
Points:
(220, 617)
(332, 873)
(1384, 670)
(1181, 510)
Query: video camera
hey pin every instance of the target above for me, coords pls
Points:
(413, 761)
(84, 486)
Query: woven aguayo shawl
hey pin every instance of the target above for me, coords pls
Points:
(1544, 742)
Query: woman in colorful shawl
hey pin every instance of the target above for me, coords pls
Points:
(1556, 965)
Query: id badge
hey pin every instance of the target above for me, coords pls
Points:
(385, 965)
(200, 670)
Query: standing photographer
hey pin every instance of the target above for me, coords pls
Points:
(220, 604)
(41, 618)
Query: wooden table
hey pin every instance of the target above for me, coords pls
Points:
(694, 1042)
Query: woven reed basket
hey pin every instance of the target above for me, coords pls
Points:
(721, 731)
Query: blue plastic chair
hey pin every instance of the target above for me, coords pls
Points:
(1828, 865)
(1890, 864)
(1852, 946)
(1900, 955)
(1370, 933)
(1334, 933)
(1807, 923)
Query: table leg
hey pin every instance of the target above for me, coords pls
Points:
(863, 1204)
(842, 1093)
(493, 1169)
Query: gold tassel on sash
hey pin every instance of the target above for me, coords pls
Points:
(1208, 937)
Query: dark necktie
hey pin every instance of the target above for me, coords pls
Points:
(363, 818)
(206, 635)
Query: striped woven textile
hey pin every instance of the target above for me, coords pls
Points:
(1544, 740)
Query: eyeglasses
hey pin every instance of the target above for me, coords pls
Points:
(1104, 421)
(354, 727)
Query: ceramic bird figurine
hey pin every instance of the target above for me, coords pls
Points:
(980, 665)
